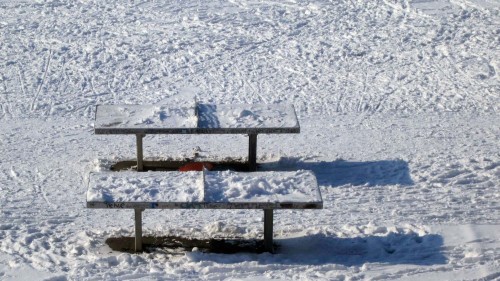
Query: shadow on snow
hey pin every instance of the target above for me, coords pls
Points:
(321, 249)
(340, 172)
(394, 248)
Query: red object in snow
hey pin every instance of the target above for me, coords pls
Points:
(196, 166)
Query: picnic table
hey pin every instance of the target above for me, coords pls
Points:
(207, 190)
(252, 120)
(204, 190)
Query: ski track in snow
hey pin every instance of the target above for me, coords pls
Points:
(378, 56)
(398, 104)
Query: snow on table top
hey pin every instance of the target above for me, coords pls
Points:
(201, 118)
(247, 116)
(144, 116)
(113, 187)
(204, 190)
(228, 186)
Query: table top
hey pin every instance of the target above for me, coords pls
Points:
(204, 190)
(198, 119)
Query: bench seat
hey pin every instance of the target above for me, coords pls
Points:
(204, 190)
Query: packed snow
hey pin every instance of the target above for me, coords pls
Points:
(398, 103)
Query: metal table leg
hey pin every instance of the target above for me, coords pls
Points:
(138, 230)
(140, 163)
(252, 152)
(268, 230)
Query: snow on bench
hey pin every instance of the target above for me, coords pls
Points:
(204, 190)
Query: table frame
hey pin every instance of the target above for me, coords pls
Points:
(252, 132)
(268, 209)
(313, 201)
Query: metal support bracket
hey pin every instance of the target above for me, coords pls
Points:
(138, 229)
(268, 230)
(140, 162)
(252, 152)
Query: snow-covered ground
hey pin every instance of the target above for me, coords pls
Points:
(398, 103)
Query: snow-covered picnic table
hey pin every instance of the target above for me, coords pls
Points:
(204, 190)
(251, 119)
(201, 190)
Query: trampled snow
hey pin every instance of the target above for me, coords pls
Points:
(398, 107)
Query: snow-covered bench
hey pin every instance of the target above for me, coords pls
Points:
(250, 119)
(204, 190)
